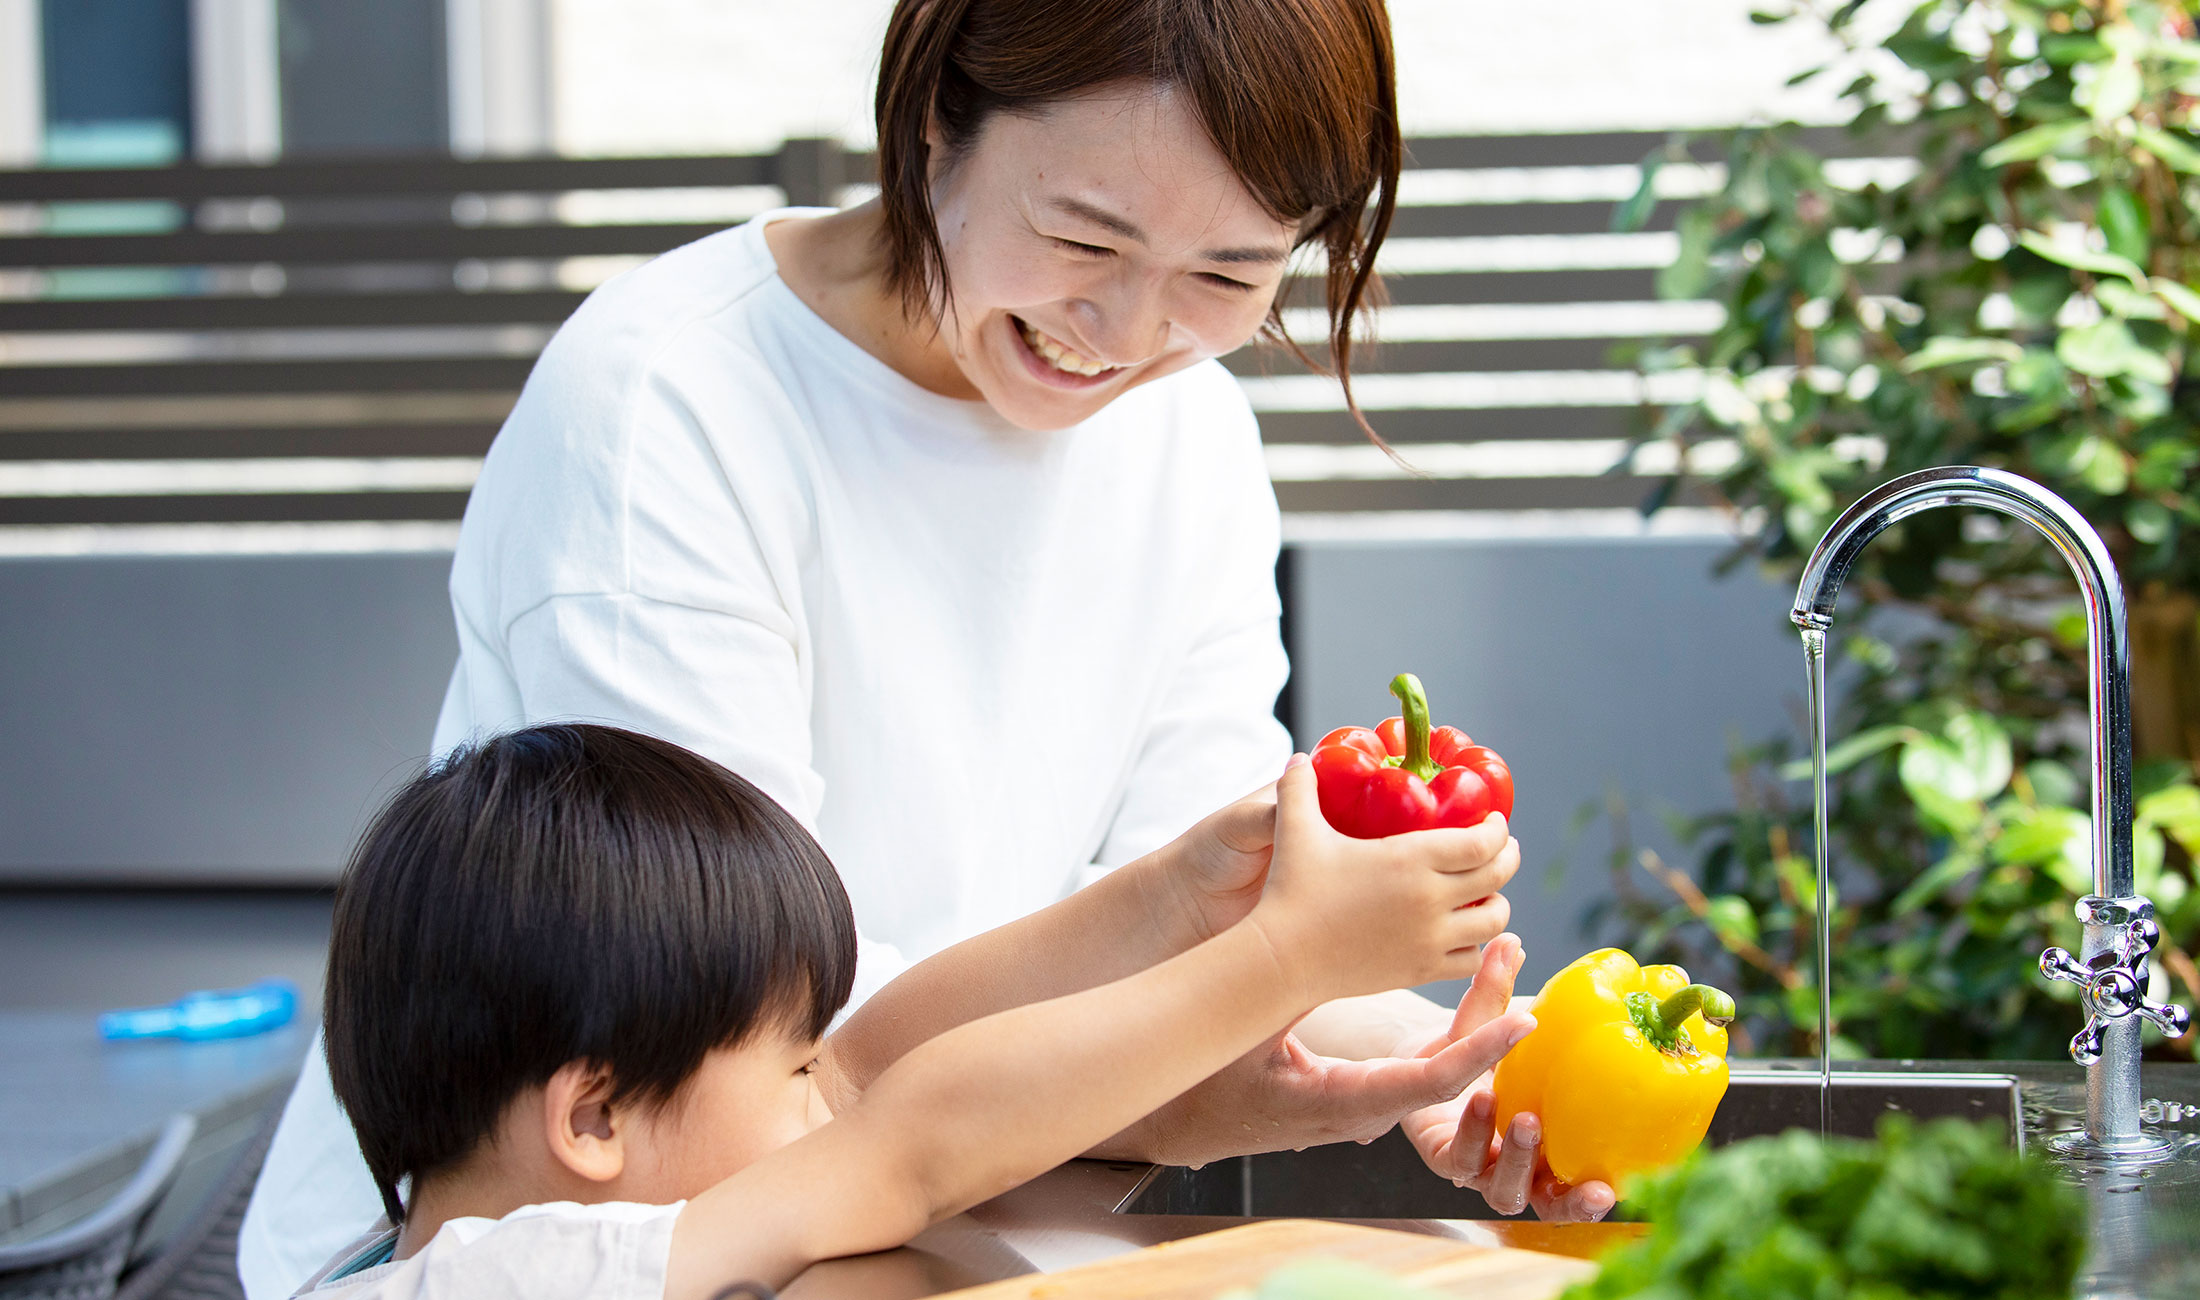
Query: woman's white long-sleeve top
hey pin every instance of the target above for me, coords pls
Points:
(980, 663)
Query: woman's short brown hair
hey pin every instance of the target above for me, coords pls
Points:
(1299, 96)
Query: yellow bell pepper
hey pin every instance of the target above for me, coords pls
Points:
(1624, 1068)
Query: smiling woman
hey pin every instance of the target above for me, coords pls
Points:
(1276, 109)
(937, 520)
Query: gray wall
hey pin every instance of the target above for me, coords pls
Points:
(223, 719)
(236, 719)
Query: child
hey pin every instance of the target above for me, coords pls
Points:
(578, 989)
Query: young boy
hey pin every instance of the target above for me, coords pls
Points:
(578, 989)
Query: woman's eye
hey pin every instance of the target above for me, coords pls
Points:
(1089, 250)
(1224, 281)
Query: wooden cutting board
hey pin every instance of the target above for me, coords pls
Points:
(1201, 1268)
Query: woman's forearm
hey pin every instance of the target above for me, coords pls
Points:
(1128, 920)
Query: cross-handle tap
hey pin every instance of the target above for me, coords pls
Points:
(2112, 963)
(2114, 984)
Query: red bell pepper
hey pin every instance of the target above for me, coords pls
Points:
(1402, 777)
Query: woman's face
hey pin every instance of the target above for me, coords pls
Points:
(1095, 247)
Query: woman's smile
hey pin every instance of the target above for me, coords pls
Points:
(1056, 363)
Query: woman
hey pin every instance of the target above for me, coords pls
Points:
(937, 520)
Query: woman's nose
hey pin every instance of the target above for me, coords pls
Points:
(1125, 327)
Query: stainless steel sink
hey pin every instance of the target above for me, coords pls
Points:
(1386, 1179)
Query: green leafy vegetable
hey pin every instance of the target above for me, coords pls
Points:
(1329, 1279)
(1942, 1209)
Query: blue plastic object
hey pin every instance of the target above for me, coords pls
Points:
(209, 1013)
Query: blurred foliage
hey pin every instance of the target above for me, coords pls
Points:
(2015, 282)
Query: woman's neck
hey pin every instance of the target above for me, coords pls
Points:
(836, 265)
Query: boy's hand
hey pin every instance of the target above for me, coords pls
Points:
(1348, 916)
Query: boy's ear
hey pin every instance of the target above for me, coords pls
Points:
(578, 1123)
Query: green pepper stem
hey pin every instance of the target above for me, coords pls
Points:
(1717, 1007)
(1413, 703)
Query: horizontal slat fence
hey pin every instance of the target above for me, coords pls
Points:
(316, 355)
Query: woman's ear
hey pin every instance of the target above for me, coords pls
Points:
(578, 1124)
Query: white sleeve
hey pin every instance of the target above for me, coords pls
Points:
(1215, 737)
(539, 1252)
(723, 684)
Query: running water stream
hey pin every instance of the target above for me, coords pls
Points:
(1814, 662)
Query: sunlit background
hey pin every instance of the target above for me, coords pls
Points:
(238, 422)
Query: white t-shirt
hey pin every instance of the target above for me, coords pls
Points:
(614, 1251)
(981, 664)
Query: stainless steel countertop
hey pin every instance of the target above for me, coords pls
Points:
(2145, 1226)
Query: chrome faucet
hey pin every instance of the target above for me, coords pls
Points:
(2120, 930)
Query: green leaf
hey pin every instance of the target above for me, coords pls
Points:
(2083, 259)
(1950, 350)
(2100, 465)
(2107, 348)
(1854, 750)
(2182, 299)
(1732, 919)
(2037, 142)
(2175, 810)
(2120, 299)
(1951, 776)
(1635, 211)
(1690, 273)
(1984, 748)
(1934, 881)
(2176, 154)
(2051, 782)
(2125, 224)
(2066, 50)
(2053, 839)
(2116, 91)
(2149, 521)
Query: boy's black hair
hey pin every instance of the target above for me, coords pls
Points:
(566, 893)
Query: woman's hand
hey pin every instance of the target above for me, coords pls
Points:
(1457, 1137)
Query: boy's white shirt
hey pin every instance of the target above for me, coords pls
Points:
(614, 1251)
(982, 665)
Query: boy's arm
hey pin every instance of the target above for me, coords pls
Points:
(1132, 918)
(999, 1100)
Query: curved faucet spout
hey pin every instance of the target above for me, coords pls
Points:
(2108, 673)
(2120, 932)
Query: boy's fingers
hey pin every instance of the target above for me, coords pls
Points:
(1490, 994)
(1479, 922)
(1464, 848)
(1298, 801)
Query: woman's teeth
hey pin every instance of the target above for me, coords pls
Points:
(1059, 357)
